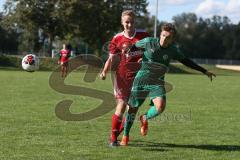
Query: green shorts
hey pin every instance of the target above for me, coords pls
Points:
(140, 92)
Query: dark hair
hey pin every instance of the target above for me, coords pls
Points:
(169, 27)
(69, 47)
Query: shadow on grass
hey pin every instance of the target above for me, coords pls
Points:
(153, 146)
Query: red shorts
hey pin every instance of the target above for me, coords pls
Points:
(122, 87)
(64, 63)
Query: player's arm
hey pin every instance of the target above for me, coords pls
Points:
(60, 56)
(106, 67)
(111, 61)
(113, 53)
(189, 63)
(69, 54)
(141, 43)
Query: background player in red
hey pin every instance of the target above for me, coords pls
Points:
(126, 69)
(65, 53)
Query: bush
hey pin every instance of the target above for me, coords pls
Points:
(9, 61)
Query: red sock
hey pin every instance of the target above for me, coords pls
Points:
(116, 122)
(121, 127)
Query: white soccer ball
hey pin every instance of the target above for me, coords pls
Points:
(30, 63)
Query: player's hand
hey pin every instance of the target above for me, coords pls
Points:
(58, 62)
(126, 48)
(140, 60)
(210, 75)
(102, 76)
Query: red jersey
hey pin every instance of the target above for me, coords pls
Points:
(128, 65)
(64, 55)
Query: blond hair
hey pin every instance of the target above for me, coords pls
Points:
(128, 13)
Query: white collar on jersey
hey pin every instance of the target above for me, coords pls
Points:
(129, 37)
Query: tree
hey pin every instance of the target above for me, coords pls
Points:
(94, 21)
(186, 24)
(97, 21)
(8, 40)
(207, 38)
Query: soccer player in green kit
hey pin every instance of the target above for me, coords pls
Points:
(149, 80)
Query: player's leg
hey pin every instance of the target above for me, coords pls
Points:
(130, 117)
(121, 127)
(62, 69)
(157, 106)
(135, 101)
(66, 69)
(117, 120)
(121, 97)
(120, 109)
(158, 102)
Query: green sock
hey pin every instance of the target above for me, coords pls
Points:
(151, 113)
(128, 124)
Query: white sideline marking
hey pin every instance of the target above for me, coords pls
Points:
(230, 67)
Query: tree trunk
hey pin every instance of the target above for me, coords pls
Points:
(50, 42)
(98, 51)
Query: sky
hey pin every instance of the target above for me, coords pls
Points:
(1, 4)
(202, 8)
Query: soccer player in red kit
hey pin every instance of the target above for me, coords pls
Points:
(128, 65)
(65, 53)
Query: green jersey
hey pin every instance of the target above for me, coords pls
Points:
(156, 59)
(149, 80)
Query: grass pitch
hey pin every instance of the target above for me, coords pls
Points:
(201, 121)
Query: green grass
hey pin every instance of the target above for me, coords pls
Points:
(201, 121)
